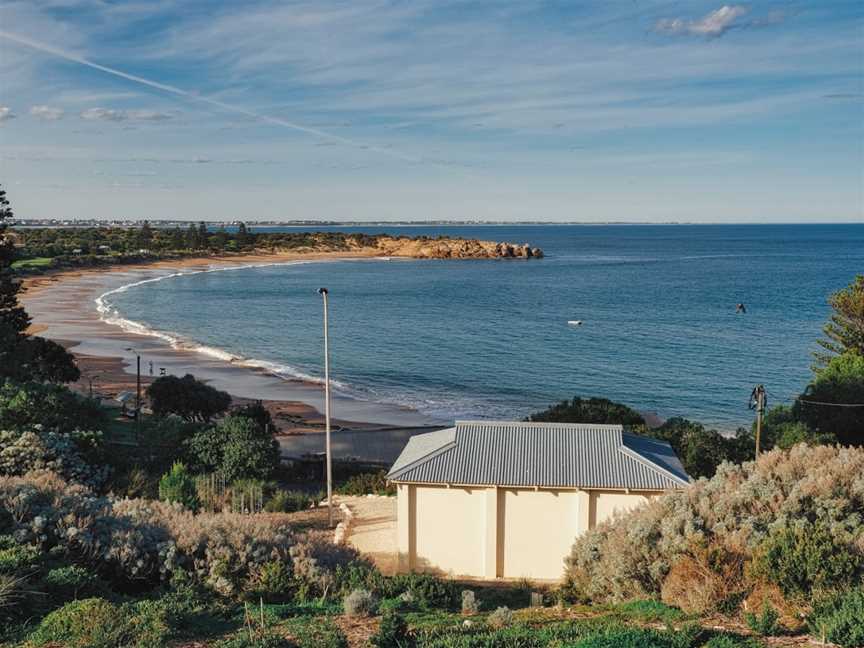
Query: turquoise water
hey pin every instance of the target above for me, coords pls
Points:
(490, 338)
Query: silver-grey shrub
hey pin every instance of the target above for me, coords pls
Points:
(136, 539)
(470, 603)
(501, 617)
(26, 450)
(733, 512)
(360, 603)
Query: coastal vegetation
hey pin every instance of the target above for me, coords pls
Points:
(181, 526)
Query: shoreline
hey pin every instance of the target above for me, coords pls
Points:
(63, 307)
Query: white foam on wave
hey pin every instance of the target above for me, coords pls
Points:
(109, 314)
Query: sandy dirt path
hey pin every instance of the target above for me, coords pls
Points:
(373, 530)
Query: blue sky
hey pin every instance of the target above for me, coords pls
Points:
(589, 111)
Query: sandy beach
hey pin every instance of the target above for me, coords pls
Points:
(63, 307)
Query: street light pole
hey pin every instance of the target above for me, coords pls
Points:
(137, 395)
(328, 458)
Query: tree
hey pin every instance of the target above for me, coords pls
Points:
(700, 450)
(186, 397)
(145, 235)
(192, 237)
(833, 402)
(202, 234)
(177, 239)
(177, 485)
(242, 234)
(590, 410)
(22, 356)
(53, 407)
(781, 428)
(237, 447)
(845, 329)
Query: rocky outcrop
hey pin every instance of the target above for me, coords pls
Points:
(445, 248)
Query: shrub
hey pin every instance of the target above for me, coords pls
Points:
(360, 603)
(802, 559)
(731, 641)
(766, 624)
(284, 501)
(704, 581)
(366, 483)
(255, 639)
(733, 512)
(97, 623)
(840, 618)
(236, 448)
(69, 582)
(317, 633)
(429, 591)
(392, 633)
(186, 397)
(470, 604)
(28, 450)
(24, 406)
(501, 617)
(272, 581)
(177, 485)
(16, 557)
(650, 611)
(141, 540)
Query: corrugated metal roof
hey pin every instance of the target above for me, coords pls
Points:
(563, 455)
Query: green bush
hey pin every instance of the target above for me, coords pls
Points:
(315, 633)
(429, 591)
(285, 501)
(392, 633)
(731, 641)
(650, 611)
(272, 582)
(801, 560)
(237, 448)
(53, 407)
(16, 557)
(366, 483)
(766, 623)
(97, 623)
(255, 639)
(177, 485)
(69, 582)
(840, 619)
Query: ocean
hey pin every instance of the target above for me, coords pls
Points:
(490, 338)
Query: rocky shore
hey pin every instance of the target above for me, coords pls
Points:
(423, 248)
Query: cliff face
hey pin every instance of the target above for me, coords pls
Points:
(455, 249)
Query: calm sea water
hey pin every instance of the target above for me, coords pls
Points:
(491, 339)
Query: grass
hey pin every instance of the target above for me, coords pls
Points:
(27, 264)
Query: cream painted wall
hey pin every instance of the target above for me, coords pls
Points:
(539, 529)
(498, 532)
(608, 503)
(450, 530)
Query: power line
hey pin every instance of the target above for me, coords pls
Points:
(812, 402)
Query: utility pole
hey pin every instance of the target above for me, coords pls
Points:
(758, 402)
(137, 396)
(328, 458)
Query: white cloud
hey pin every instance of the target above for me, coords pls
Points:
(103, 114)
(714, 24)
(109, 114)
(6, 113)
(48, 113)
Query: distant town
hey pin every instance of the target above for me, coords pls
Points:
(165, 223)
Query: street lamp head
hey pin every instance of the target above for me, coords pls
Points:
(322, 291)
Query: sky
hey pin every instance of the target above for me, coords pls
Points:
(622, 110)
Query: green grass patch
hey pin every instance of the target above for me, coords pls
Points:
(27, 264)
(650, 611)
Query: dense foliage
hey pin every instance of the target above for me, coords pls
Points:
(23, 356)
(236, 447)
(776, 521)
(833, 403)
(53, 407)
(187, 397)
(590, 410)
(844, 332)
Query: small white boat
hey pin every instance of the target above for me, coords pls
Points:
(574, 322)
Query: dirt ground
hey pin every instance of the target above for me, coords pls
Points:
(373, 529)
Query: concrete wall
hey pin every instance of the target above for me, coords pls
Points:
(498, 532)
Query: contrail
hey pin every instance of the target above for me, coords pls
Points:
(42, 47)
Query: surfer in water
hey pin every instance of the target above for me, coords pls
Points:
(740, 308)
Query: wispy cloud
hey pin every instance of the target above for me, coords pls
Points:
(47, 113)
(6, 114)
(110, 114)
(714, 24)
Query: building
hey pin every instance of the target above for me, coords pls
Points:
(492, 499)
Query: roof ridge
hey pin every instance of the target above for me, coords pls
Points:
(601, 426)
(630, 452)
